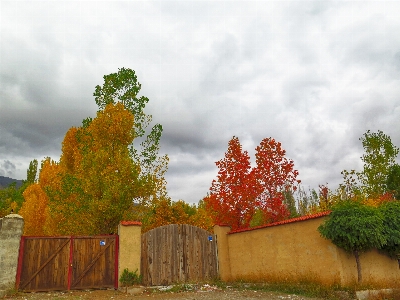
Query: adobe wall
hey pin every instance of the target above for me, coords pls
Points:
(11, 228)
(129, 247)
(295, 251)
(377, 269)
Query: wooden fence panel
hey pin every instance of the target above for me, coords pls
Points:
(178, 253)
(45, 264)
(94, 262)
(64, 263)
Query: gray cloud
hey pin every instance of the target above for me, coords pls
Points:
(7, 168)
(314, 75)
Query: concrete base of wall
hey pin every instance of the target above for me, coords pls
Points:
(132, 290)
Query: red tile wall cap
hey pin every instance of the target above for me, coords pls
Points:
(302, 218)
(223, 225)
(131, 223)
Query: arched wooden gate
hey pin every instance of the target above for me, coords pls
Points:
(178, 253)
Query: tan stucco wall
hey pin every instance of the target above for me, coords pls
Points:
(129, 247)
(224, 266)
(296, 251)
(377, 269)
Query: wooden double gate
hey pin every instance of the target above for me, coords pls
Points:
(178, 253)
(64, 263)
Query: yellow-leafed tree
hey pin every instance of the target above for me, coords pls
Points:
(102, 177)
(35, 208)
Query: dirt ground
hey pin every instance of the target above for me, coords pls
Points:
(212, 294)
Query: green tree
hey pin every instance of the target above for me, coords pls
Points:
(123, 87)
(11, 198)
(355, 228)
(391, 229)
(31, 173)
(307, 202)
(290, 201)
(379, 157)
(351, 186)
(393, 181)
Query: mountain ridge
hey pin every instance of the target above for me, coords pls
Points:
(6, 181)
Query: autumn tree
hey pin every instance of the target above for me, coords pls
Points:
(232, 198)
(101, 173)
(240, 190)
(34, 210)
(124, 88)
(274, 175)
(99, 179)
(165, 212)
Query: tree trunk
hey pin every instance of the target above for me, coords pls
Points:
(357, 256)
(398, 259)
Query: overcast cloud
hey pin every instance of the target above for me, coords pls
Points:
(314, 75)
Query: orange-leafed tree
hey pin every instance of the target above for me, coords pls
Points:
(101, 179)
(240, 190)
(123, 87)
(101, 173)
(34, 210)
(165, 212)
(274, 174)
(232, 198)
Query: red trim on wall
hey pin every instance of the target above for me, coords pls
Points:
(303, 218)
(130, 223)
(20, 260)
(223, 225)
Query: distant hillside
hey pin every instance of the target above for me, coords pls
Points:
(6, 181)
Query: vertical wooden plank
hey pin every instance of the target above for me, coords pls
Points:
(44, 264)
(178, 253)
(94, 262)
(143, 259)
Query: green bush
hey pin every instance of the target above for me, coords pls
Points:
(130, 278)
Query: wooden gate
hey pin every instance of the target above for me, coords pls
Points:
(64, 263)
(178, 253)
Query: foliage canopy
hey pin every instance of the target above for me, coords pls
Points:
(240, 190)
(355, 228)
(100, 174)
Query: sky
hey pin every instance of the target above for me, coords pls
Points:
(313, 75)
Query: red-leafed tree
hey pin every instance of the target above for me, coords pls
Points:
(241, 190)
(232, 196)
(274, 174)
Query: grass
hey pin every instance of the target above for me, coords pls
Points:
(307, 289)
(301, 289)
